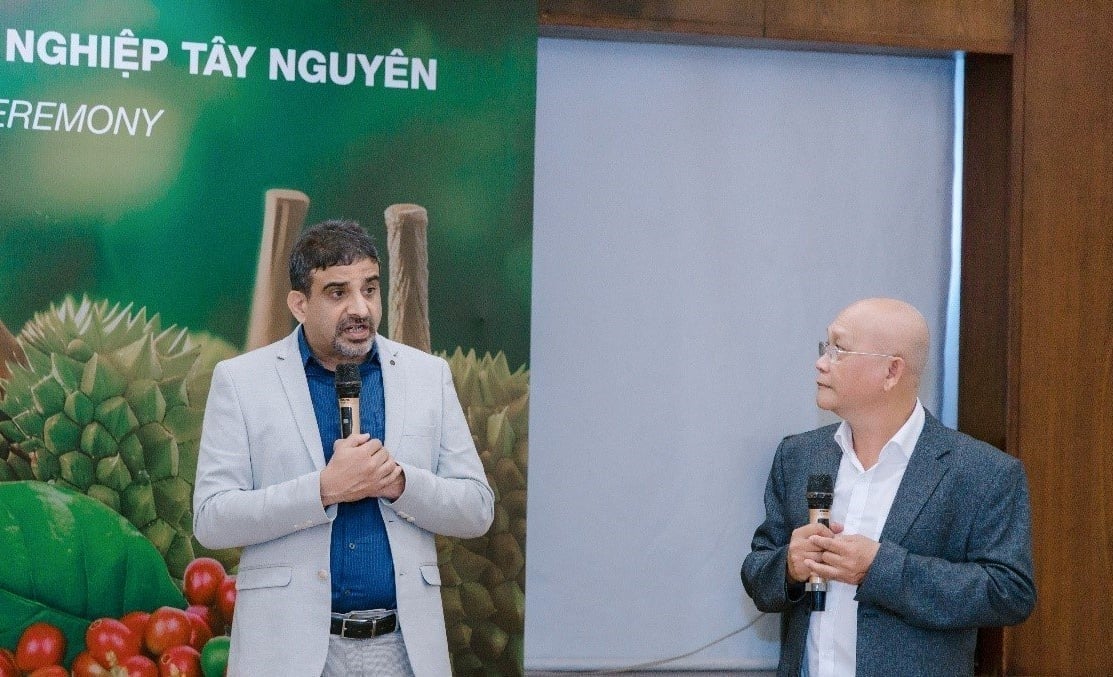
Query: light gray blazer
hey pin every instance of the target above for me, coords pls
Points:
(258, 487)
(956, 554)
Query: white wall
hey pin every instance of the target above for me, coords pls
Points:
(701, 214)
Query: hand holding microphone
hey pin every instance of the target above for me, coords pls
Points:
(802, 549)
(820, 551)
(820, 495)
(360, 467)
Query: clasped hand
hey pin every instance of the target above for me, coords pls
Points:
(360, 467)
(829, 554)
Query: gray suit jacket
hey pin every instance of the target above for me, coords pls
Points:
(956, 554)
(258, 487)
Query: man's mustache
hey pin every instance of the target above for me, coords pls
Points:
(353, 323)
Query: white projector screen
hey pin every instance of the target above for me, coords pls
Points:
(701, 214)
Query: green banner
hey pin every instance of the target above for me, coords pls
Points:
(159, 157)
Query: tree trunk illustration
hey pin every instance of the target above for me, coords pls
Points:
(283, 218)
(407, 241)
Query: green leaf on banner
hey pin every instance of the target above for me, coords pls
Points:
(68, 560)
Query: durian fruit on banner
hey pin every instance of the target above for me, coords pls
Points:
(482, 579)
(106, 402)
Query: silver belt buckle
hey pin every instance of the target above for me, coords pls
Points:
(373, 615)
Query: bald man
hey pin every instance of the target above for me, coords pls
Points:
(930, 533)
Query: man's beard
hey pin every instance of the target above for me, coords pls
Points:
(344, 347)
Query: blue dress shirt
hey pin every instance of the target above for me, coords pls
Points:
(362, 565)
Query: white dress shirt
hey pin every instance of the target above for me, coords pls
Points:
(861, 504)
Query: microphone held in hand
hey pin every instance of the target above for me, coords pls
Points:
(821, 493)
(348, 385)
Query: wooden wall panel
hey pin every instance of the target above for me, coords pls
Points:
(947, 25)
(984, 306)
(730, 18)
(969, 25)
(1064, 370)
(984, 316)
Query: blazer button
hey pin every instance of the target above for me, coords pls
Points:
(323, 575)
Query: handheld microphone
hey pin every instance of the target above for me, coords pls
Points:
(348, 384)
(820, 494)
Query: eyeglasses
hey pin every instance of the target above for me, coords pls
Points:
(835, 353)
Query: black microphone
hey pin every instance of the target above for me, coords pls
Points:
(348, 384)
(821, 493)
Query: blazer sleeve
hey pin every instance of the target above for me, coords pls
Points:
(994, 586)
(228, 511)
(452, 498)
(764, 571)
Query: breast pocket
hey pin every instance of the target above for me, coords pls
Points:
(417, 446)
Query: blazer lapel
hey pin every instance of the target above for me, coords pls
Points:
(828, 458)
(291, 372)
(925, 470)
(394, 392)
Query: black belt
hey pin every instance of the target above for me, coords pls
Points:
(363, 628)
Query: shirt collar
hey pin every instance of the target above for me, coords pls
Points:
(307, 354)
(905, 439)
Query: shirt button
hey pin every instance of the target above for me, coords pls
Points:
(351, 546)
(323, 575)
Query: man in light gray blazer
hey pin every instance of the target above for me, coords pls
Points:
(930, 529)
(327, 522)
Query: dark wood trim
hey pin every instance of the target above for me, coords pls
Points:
(1015, 216)
(682, 18)
(1062, 377)
(982, 26)
(984, 310)
(984, 306)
